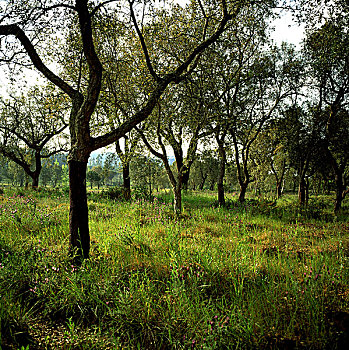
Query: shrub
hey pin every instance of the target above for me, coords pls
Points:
(114, 193)
(142, 193)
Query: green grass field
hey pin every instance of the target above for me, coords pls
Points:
(259, 275)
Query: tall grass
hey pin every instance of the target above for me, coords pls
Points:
(258, 275)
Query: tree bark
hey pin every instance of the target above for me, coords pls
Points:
(78, 214)
(221, 174)
(339, 191)
(185, 181)
(278, 190)
(243, 189)
(35, 182)
(126, 180)
(302, 190)
(177, 191)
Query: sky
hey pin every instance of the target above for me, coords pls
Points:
(287, 30)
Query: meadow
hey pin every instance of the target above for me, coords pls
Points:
(258, 275)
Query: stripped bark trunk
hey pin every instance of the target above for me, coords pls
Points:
(78, 213)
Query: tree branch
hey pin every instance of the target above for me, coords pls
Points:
(143, 44)
(15, 30)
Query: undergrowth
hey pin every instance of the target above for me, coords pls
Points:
(254, 275)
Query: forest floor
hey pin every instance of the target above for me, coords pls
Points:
(260, 275)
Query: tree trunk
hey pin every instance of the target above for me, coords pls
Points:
(279, 184)
(185, 180)
(35, 182)
(278, 190)
(78, 214)
(221, 174)
(339, 191)
(302, 191)
(126, 180)
(243, 189)
(37, 171)
(220, 189)
(177, 205)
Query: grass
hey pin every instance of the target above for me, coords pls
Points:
(258, 275)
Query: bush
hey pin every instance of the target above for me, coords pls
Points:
(114, 193)
(142, 193)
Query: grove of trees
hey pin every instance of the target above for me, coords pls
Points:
(199, 79)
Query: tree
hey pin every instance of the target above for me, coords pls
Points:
(245, 83)
(29, 124)
(94, 177)
(147, 173)
(83, 104)
(300, 132)
(175, 125)
(270, 156)
(204, 170)
(270, 79)
(327, 48)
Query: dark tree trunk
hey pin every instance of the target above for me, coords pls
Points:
(35, 182)
(243, 189)
(221, 174)
(302, 191)
(339, 191)
(278, 190)
(339, 181)
(78, 214)
(37, 171)
(126, 180)
(185, 180)
(220, 189)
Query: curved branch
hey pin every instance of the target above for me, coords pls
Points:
(144, 46)
(13, 29)
(94, 64)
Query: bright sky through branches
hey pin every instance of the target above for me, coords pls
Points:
(285, 30)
